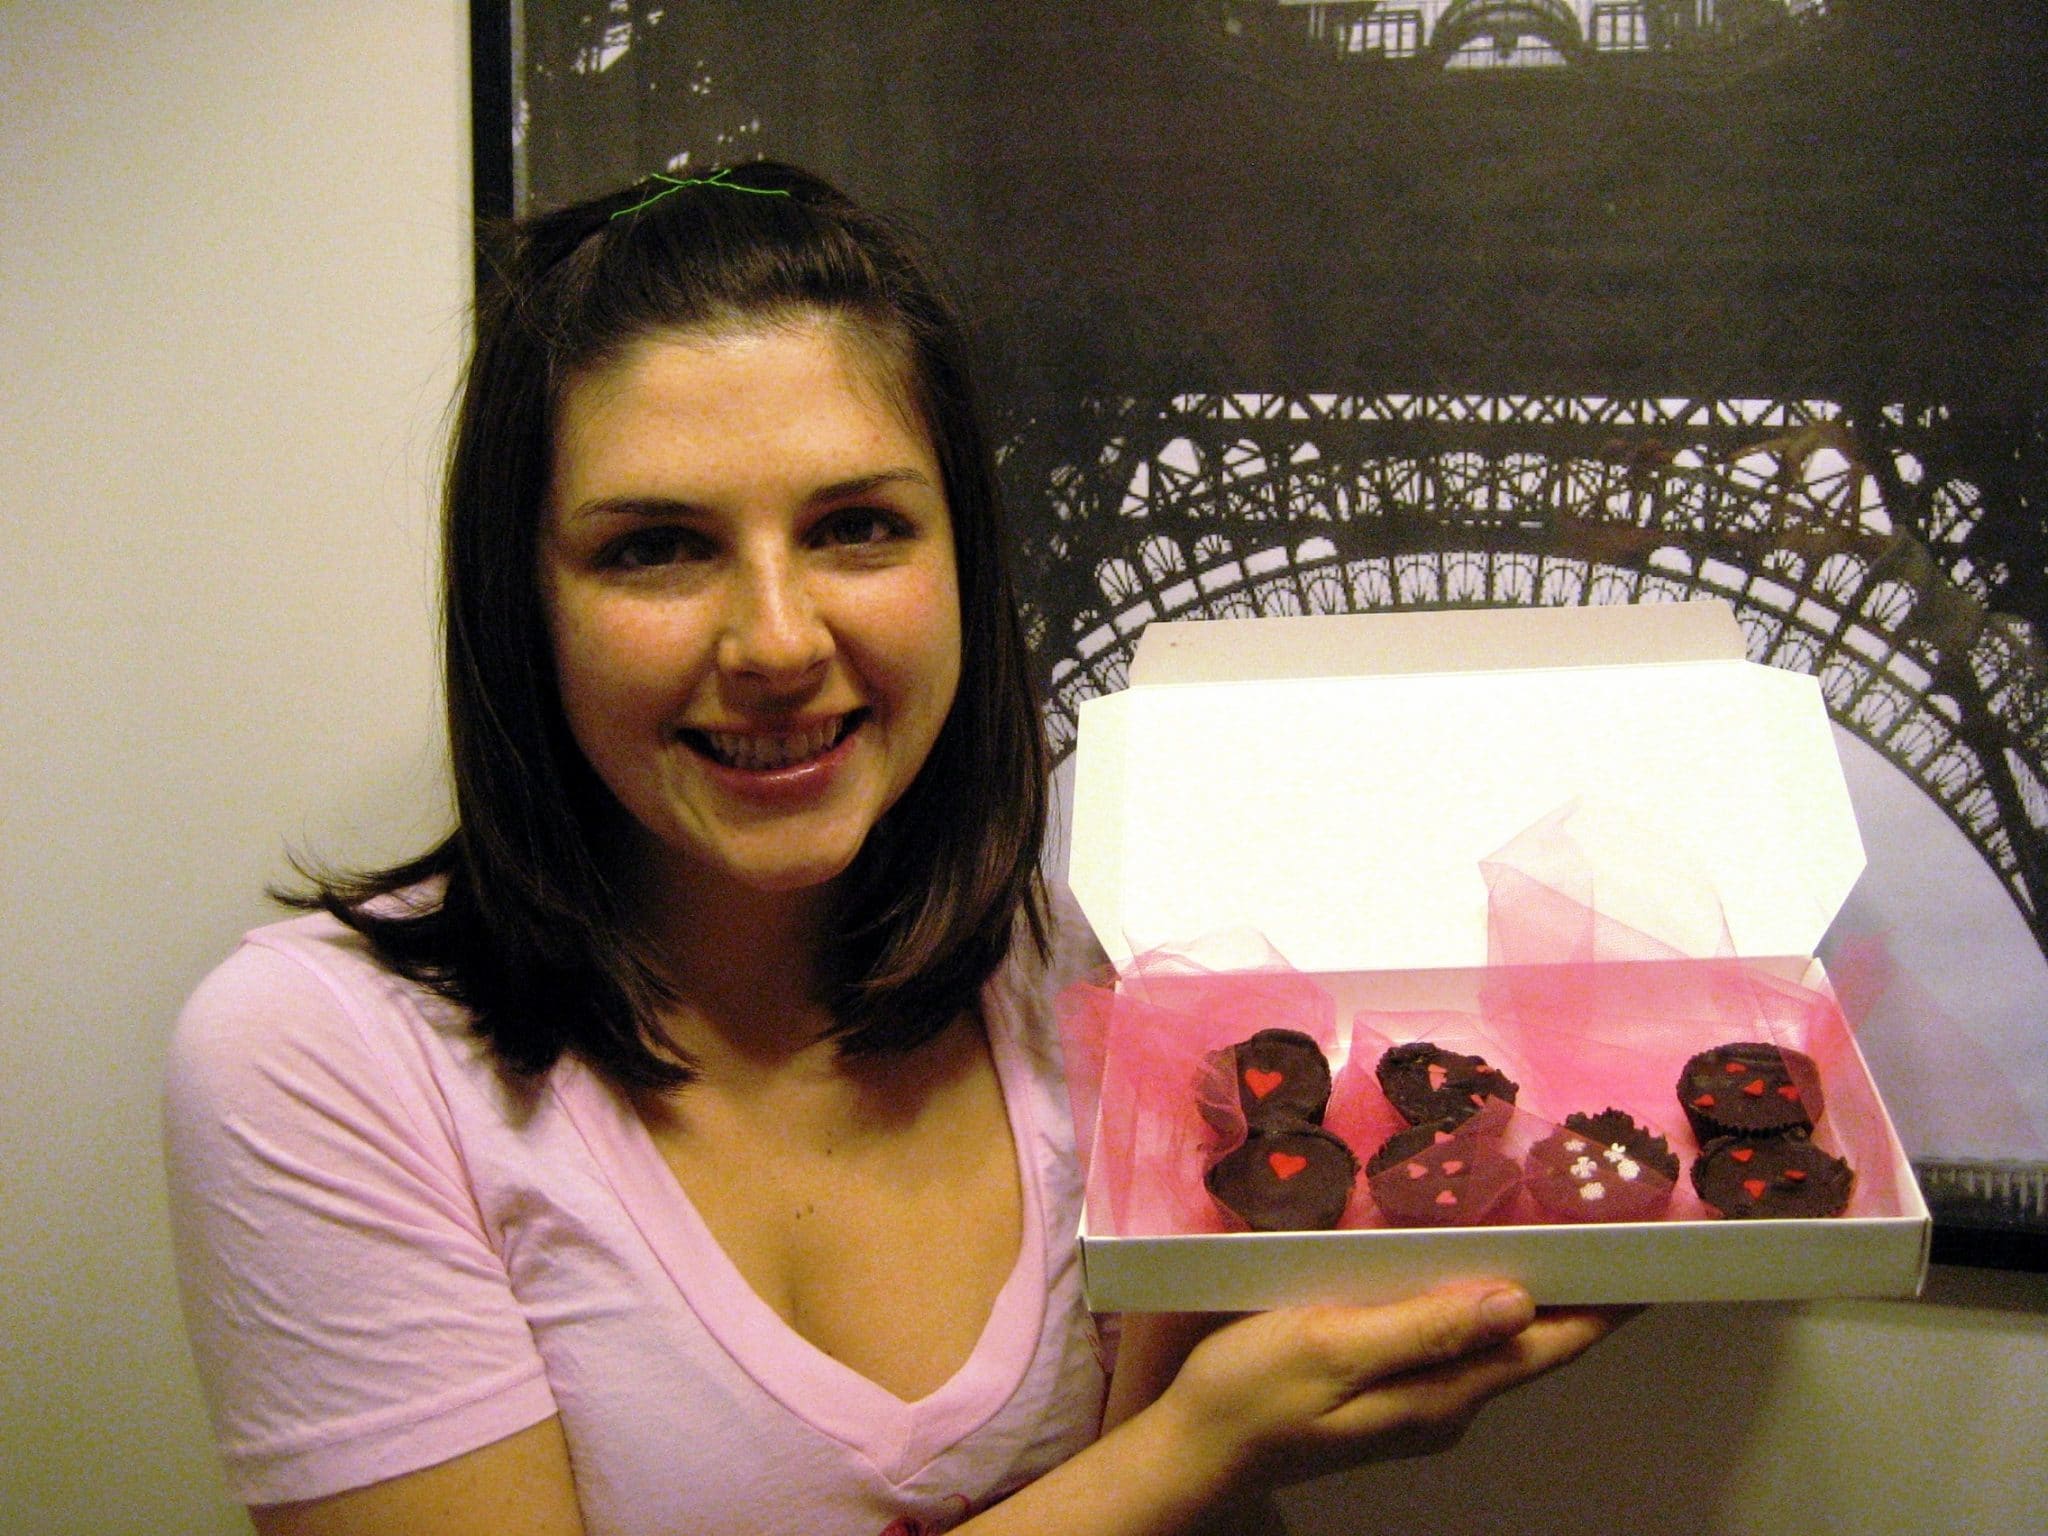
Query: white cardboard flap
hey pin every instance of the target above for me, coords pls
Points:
(1454, 640)
(1345, 817)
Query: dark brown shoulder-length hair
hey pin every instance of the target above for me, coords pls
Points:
(518, 915)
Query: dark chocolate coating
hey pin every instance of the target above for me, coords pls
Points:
(1281, 1081)
(1602, 1167)
(1291, 1181)
(1403, 1145)
(1428, 1176)
(1749, 1088)
(1759, 1177)
(1428, 1084)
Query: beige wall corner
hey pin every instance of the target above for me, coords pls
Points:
(232, 279)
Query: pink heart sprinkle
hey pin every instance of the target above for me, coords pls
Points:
(1285, 1165)
(1447, 1198)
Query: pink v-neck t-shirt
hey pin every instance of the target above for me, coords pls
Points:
(389, 1257)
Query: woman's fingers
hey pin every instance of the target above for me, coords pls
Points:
(1281, 1371)
(1427, 1411)
(1455, 1389)
(1312, 1388)
(1362, 1346)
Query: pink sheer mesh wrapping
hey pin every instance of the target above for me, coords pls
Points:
(1583, 1012)
(1171, 1011)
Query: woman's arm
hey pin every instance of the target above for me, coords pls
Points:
(1260, 1402)
(1281, 1396)
(519, 1486)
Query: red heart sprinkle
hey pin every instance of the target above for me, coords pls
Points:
(1285, 1164)
(1796, 1175)
(1455, 1166)
(1447, 1198)
(1743, 1154)
(1704, 1101)
(1754, 1088)
(1262, 1082)
(1733, 1067)
(1755, 1187)
(1789, 1092)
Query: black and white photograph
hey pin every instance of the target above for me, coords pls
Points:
(1365, 306)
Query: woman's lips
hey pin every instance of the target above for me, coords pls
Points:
(783, 762)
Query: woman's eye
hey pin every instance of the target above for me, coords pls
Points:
(651, 547)
(862, 525)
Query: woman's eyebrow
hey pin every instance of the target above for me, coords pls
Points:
(862, 485)
(675, 506)
(636, 506)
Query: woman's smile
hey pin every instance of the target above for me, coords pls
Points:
(771, 750)
(750, 580)
(777, 769)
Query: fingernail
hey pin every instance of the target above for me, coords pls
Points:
(1507, 1308)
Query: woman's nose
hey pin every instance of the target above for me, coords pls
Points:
(773, 627)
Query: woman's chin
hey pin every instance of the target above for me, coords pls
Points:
(767, 873)
(781, 881)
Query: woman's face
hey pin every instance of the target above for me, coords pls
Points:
(748, 568)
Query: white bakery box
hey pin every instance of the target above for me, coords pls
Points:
(1333, 784)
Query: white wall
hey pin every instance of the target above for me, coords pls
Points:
(233, 263)
(232, 260)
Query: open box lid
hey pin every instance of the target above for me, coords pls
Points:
(1333, 783)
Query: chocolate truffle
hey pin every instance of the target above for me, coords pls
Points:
(1435, 1176)
(1279, 1079)
(1751, 1177)
(1429, 1084)
(1749, 1088)
(1288, 1181)
(1602, 1167)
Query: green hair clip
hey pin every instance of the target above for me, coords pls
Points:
(716, 179)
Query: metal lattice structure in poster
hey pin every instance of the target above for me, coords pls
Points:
(1354, 305)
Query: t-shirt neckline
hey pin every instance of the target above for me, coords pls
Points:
(898, 1437)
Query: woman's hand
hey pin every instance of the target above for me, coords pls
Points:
(1280, 1396)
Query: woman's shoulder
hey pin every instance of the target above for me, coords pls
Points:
(1070, 952)
(1025, 990)
(301, 1001)
(1075, 954)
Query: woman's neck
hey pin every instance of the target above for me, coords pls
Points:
(746, 967)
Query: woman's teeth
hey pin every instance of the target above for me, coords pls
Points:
(759, 751)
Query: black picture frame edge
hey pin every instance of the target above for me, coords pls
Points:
(493, 103)
(1989, 1248)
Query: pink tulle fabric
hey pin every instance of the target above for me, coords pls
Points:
(1584, 1013)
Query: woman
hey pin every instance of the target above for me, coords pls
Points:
(679, 1146)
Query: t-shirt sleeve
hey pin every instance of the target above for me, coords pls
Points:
(350, 1316)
